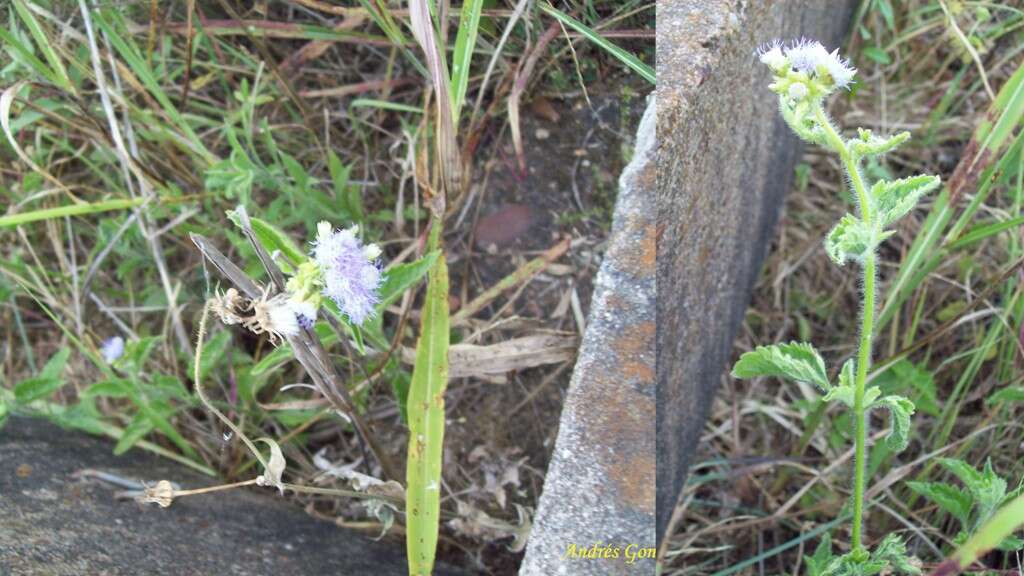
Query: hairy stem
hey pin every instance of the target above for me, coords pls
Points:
(867, 319)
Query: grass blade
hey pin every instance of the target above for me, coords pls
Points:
(60, 74)
(1004, 523)
(426, 425)
(622, 55)
(465, 43)
(69, 210)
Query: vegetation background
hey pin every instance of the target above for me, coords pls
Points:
(129, 125)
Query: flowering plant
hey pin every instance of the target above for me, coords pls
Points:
(805, 74)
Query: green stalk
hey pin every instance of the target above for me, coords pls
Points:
(866, 329)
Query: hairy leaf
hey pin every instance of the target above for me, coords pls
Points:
(893, 199)
(797, 360)
(851, 239)
(900, 410)
(867, 144)
(950, 498)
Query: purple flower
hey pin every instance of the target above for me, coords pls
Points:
(112, 349)
(351, 274)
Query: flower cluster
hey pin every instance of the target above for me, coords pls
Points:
(350, 271)
(805, 68)
(341, 268)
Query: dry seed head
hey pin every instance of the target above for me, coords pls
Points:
(272, 315)
(229, 306)
(162, 494)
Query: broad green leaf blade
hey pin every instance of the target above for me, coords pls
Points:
(893, 199)
(950, 498)
(273, 239)
(797, 360)
(465, 43)
(1006, 395)
(622, 55)
(426, 425)
(398, 279)
(900, 409)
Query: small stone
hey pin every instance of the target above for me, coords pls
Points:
(542, 133)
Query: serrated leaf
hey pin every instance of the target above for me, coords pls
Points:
(892, 552)
(818, 563)
(893, 199)
(851, 239)
(798, 361)
(950, 498)
(900, 410)
(845, 394)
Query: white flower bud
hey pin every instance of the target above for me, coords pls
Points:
(798, 91)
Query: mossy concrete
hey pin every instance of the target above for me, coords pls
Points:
(725, 161)
(54, 524)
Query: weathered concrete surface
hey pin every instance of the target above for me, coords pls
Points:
(600, 485)
(53, 524)
(725, 159)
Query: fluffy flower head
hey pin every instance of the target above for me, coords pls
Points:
(771, 55)
(351, 275)
(112, 349)
(810, 57)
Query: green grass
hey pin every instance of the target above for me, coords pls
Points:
(110, 164)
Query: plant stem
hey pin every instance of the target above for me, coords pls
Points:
(867, 319)
(860, 430)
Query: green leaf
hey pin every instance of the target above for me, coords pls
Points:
(465, 43)
(115, 388)
(399, 278)
(426, 424)
(893, 553)
(817, 564)
(797, 360)
(900, 410)
(867, 144)
(893, 199)
(851, 239)
(950, 498)
(622, 55)
(272, 238)
(904, 375)
(877, 54)
(346, 195)
(36, 388)
(136, 353)
(60, 74)
(135, 431)
(48, 381)
(1007, 395)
